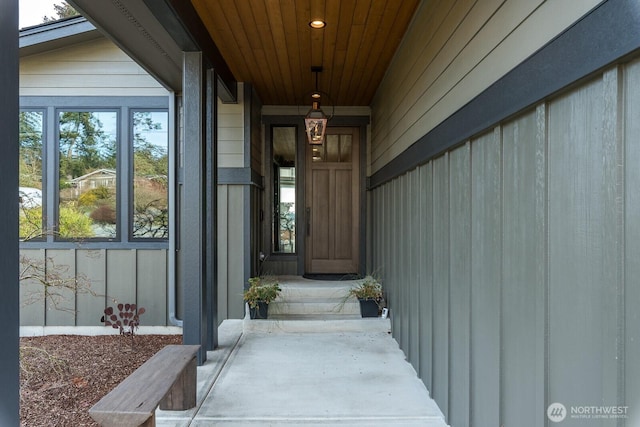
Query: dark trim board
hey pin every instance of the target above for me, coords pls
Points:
(134, 102)
(239, 176)
(609, 33)
(56, 35)
(10, 301)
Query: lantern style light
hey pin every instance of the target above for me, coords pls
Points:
(315, 123)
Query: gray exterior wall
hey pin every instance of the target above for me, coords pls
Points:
(240, 193)
(91, 68)
(123, 275)
(231, 251)
(452, 51)
(510, 266)
(93, 74)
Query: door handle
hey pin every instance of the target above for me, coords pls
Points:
(308, 221)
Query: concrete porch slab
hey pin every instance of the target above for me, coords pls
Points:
(327, 377)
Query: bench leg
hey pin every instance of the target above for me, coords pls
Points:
(182, 394)
(151, 422)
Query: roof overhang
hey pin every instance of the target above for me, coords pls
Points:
(153, 33)
(56, 35)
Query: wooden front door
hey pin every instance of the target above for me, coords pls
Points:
(333, 203)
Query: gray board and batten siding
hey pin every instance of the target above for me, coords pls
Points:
(93, 74)
(523, 248)
(240, 193)
(124, 275)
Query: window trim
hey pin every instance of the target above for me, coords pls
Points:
(131, 175)
(50, 105)
(43, 177)
(119, 168)
(271, 192)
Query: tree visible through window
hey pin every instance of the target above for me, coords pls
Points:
(87, 174)
(150, 175)
(30, 167)
(90, 155)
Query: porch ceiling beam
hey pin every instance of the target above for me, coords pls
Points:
(184, 25)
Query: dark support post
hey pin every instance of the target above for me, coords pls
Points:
(9, 284)
(212, 207)
(192, 259)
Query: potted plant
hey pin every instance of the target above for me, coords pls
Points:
(369, 293)
(260, 293)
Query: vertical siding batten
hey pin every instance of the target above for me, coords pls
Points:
(121, 276)
(613, 166)
(405, 285)
(583, 305)
(425, 271)
(486, 278)
(32, 305)
(151, 286)
(223, 251)
(60, 309)
(441, 283)
(396, 260)
(541, 294)
(519, 302)
(416, 280)
(91, 264)
(631, 270)
(460, 261)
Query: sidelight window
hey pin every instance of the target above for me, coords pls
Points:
(284, 189)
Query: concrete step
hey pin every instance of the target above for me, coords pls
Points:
(304, 299)
(312, 306)
(323, 290)
(327, 306)
(311, 324)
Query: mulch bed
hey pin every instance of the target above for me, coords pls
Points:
(62, 376)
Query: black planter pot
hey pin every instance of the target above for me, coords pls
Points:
(368, 307)
(261, 311)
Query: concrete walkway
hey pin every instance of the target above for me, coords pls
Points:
(286, 373)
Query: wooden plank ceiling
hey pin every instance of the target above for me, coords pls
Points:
(270, 44)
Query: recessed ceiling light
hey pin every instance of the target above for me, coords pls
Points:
(317, 23)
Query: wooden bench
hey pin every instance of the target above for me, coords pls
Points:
(168, 379)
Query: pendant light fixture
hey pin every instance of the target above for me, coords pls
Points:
(315, 122)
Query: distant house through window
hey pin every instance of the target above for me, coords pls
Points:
(102, 174)
(88, 191)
